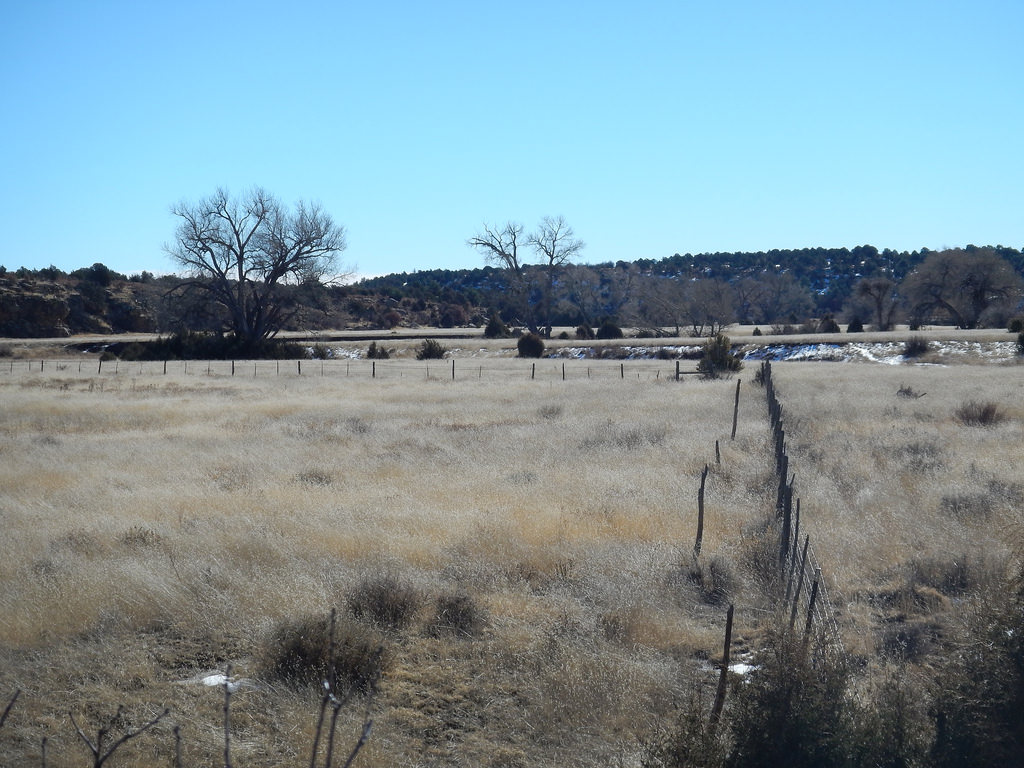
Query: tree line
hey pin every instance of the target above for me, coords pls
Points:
(252, 266)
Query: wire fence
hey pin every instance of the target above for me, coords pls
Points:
(548, 369)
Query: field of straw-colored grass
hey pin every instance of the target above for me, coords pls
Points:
(160, 527)
(157, 528)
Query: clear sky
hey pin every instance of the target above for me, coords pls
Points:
(653, 127)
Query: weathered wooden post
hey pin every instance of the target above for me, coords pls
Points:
(622, 370)
(716, 710)
(533, 371)
(677, 370)
(700, 512)
(810, 609)
(735, 410)
(718, 454)
(799, 583)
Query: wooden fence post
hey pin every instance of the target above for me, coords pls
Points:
(700, 512)
(736, 410)
(533, 371)
(716, 710)
(718, 454)
(799, 582)
(810, 609)
(677, 370)
(622, 370)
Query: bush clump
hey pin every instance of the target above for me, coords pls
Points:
(385, 600)
(496, 328)
(856, 325)
(530, 345)
(375, 352)
(977, 414)
(717, 359)
(609, 330)
(431, 349)
(298, 652)
(456, 614)
(713, 578)
(915, 346)
(584, 332)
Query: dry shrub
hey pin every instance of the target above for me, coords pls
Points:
(314, 477)
(909, 639)
(713, 579)
(977, 414)
(385, 600)
(298, 652)
(457, 614)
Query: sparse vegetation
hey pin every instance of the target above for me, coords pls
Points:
(717, 359)
(513, 555)
(979, 414)
(431, 349)
(915, 346)
(530, 345)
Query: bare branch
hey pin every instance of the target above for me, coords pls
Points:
(7, 709)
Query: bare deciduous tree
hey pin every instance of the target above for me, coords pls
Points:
(239, 251)
(880, 292)
(556, 244)
(962, 285)
(500, 247)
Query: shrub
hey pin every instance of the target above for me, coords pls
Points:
(609, 330)
(431, 349)
(915, 346)
(320, 352)
(1020, 343)
(718, 359)
(856, 325)
(1016, 325)
(456, 614)
(828, 325)
(530, 345)
(584, 332)
(298, 652)
(757, 332)
(377, 353)
(713, 579)
(496, 328)
(790, 711)
(564, 335)
(976, 414)
(385, 600)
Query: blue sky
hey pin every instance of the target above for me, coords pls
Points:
(653, 127)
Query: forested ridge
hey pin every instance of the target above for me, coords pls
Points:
(699, 292)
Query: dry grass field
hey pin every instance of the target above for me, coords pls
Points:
(519, 548)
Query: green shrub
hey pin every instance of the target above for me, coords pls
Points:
(791, 711)
(757, 332)
(584, 332)
(1016, 325)
(1020, 343)
(431, 349)
(384, 600)
(530, 345)
(609, 330)
(375, 352)
(717, 358)
(298, 652)
(496, 329)
(856, 325)
(564, 335)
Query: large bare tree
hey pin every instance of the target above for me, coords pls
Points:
(241, 250)
(500, 246)
(963, 285)
(556, 244)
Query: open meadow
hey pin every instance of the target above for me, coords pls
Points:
(509, 552)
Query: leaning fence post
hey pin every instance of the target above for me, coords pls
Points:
(716, 710)
(700, 512)
(736, 410)
(799, 582)
(810, 609)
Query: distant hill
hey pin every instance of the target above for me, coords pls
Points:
(49, 302)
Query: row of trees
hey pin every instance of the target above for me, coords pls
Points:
(250, 263)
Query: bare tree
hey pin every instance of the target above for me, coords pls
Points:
(240, 251)
(556, 244)
(500, 247)
(880, 293)
(963, 285)
(708, 304)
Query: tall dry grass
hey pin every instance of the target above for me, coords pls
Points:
(160, 527)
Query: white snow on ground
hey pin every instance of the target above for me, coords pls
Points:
(890, 353)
